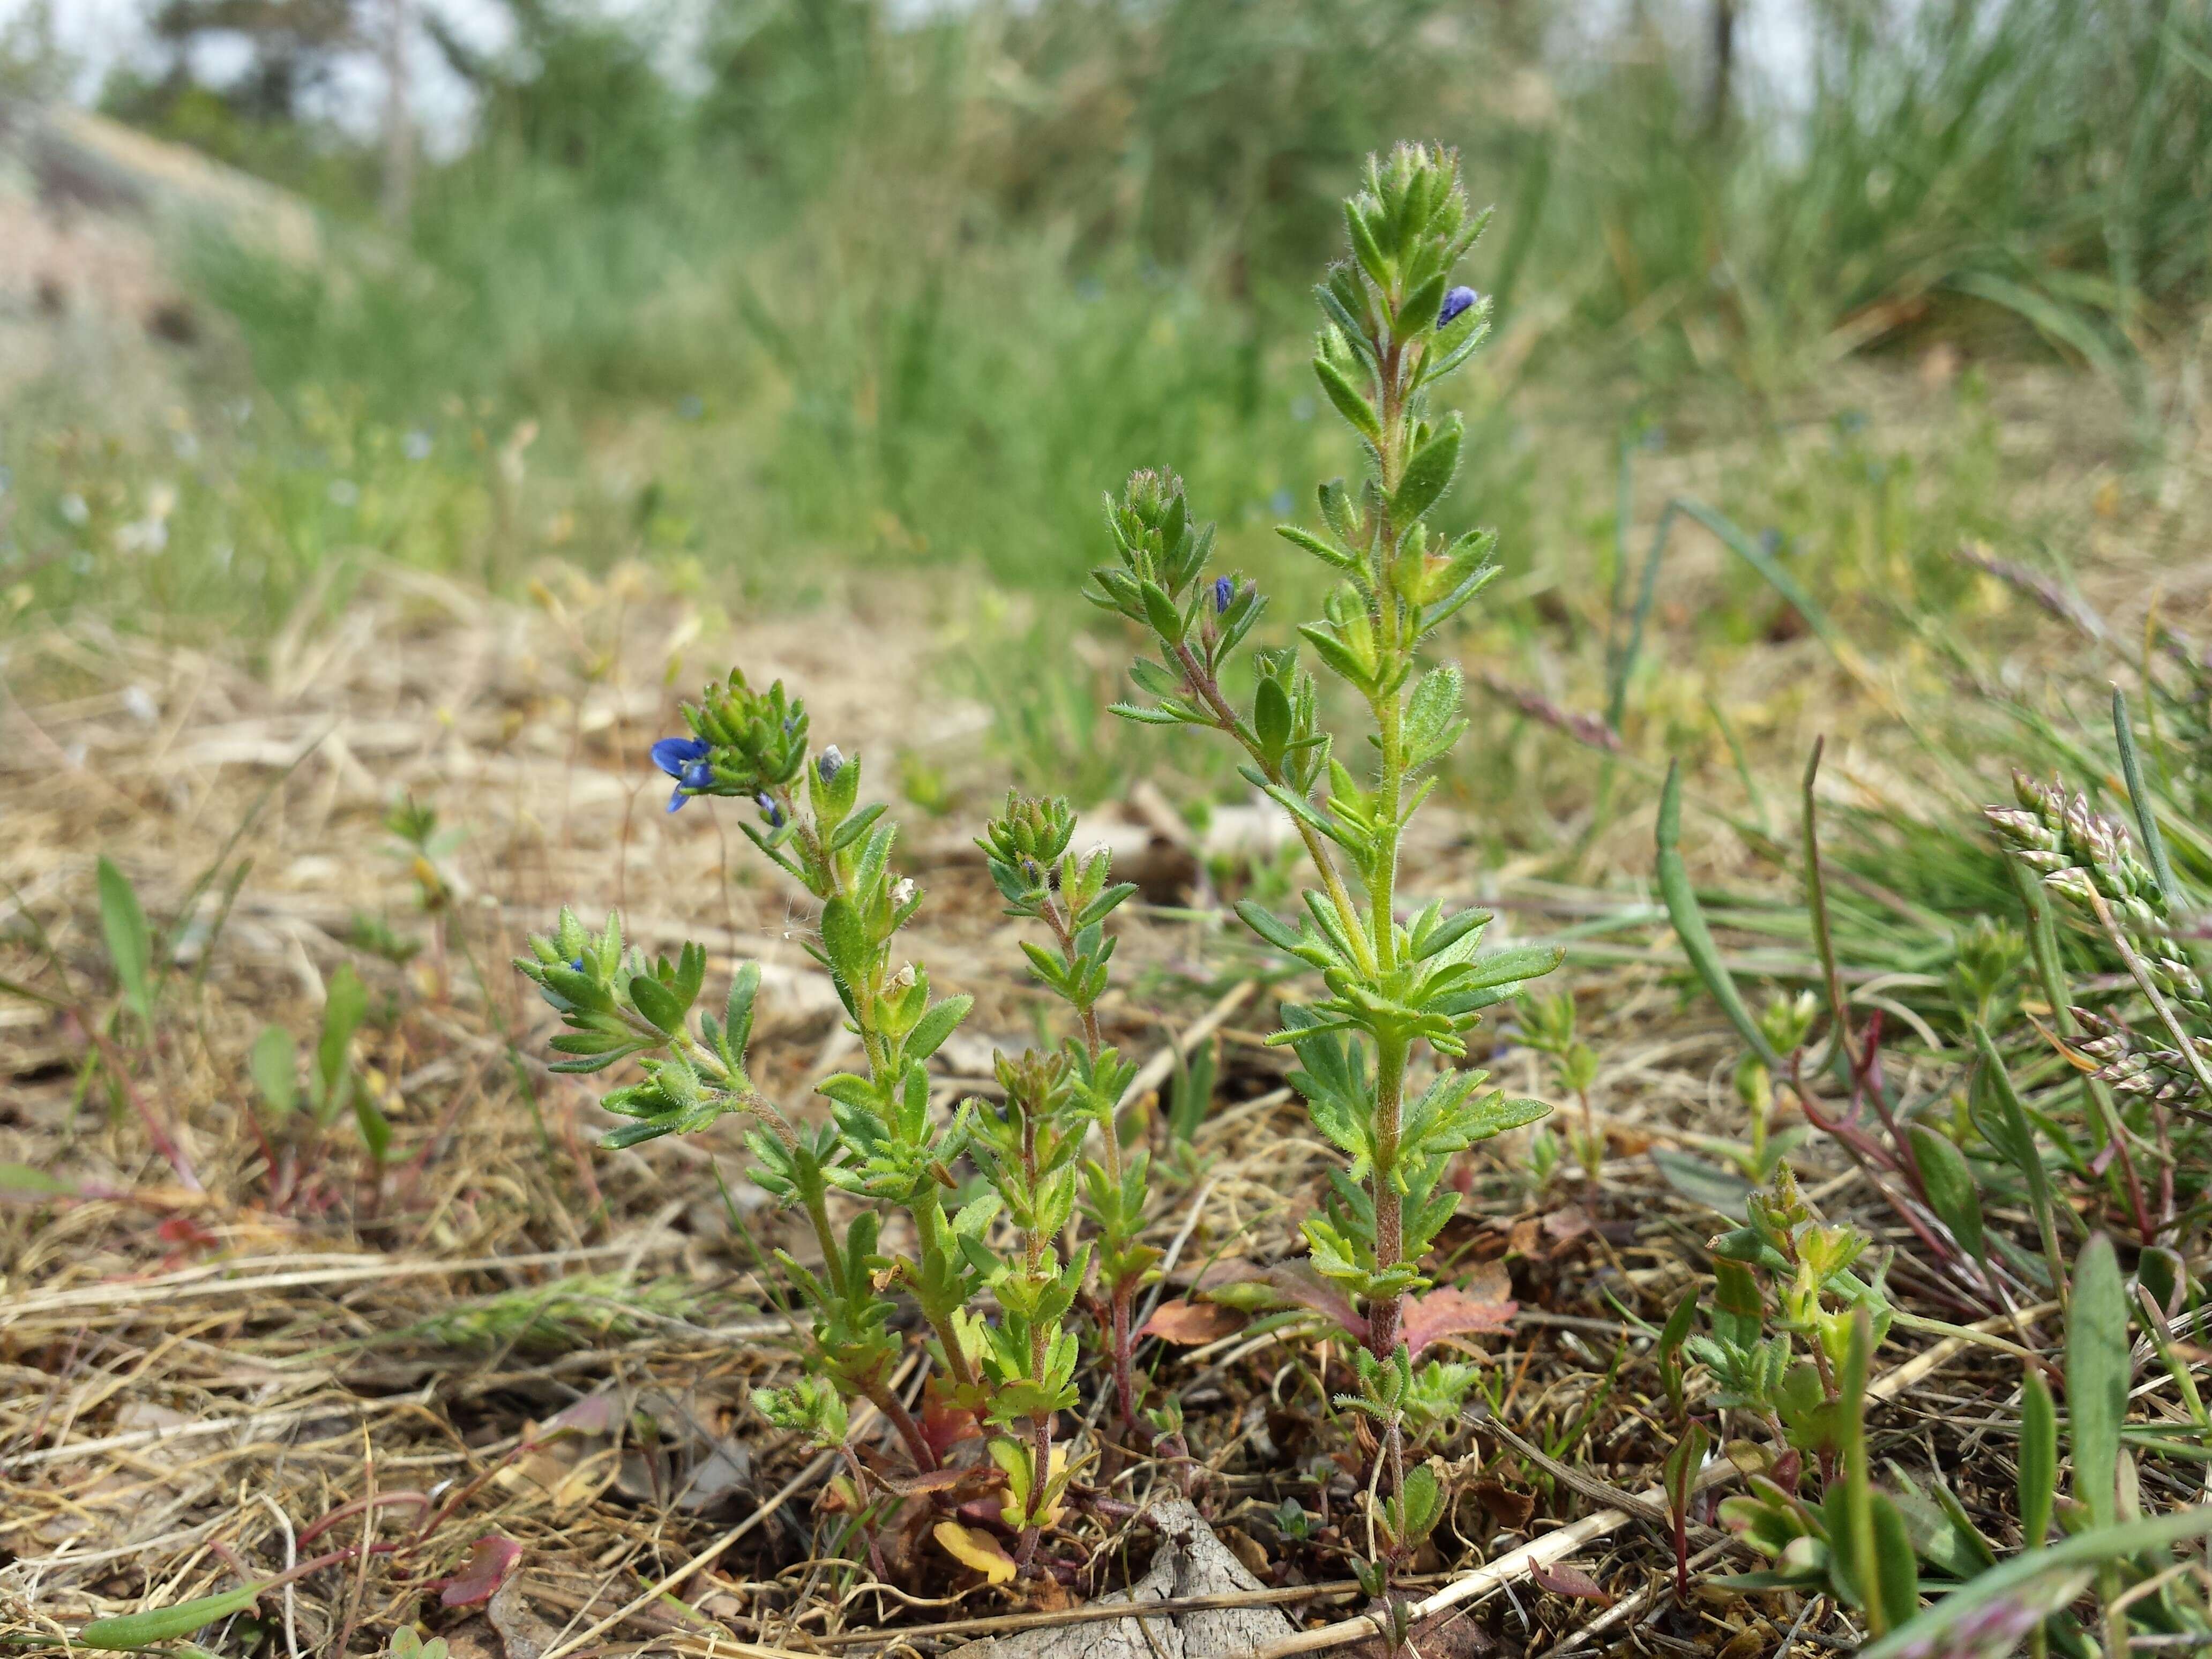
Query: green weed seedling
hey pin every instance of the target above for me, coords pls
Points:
(1380, 1054)
(1548, 1026)
(333, 1086)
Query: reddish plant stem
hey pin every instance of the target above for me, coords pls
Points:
(917, 1442)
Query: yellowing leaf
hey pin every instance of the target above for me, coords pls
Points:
(1051, 1516)
(975, 1549)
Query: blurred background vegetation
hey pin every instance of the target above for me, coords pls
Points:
(858, 286)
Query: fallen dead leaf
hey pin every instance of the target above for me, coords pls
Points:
(1483, 1305)
(1186, 1324)
(1511, 1510)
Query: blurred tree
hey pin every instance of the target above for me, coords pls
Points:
(292, 47)
(575, 89)
(32, 62)
(790, 80)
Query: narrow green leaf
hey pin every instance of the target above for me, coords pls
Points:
(130, 942)
(21, 1181)
(2033, 1567)
(1268, 926)
(931, 1030)
(1668, 1352)
(345, 1004)
(2139, 797)
(1160, 612)
(1701, 1182)
(1897, 1575)
(1428, 474)
(275, 1065)
(1270, 720)
(1355, 409)
(1690, 927)
(2097, 1371)
(845, 940)
(2039, 1458)
(138, 1630)
(1953, 1192)
(376, 1128)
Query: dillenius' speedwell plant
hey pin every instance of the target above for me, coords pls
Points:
(1394, 325)
(1058, 1225)
(884, 1143)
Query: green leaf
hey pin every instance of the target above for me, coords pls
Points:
(2139, 798)
(659, 1004)
(1897, 1576)
(738, 1012)
(2039, 1458)
(1355, 409)
(129, 943)
(2033, 1567)
(931, 1030)
(2096, 1372)
(1269, 926)
(1690, 923)
(1428, 474)
(1953, 1192)
(138, 1630)
(845, 940)
(1422, 1503)
(275, 1065)
(1702, 1182)
(344, 1004)
(1160, 612)
(376, 1128)
(1270, 720)
(1418, 312)
(1668, 1351)
(21, 1181)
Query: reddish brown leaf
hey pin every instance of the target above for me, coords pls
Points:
(490, 1559)
(1186, 1324)
(1297, 1282)
(1482, 1306)
(945, 1427)
(1569, 1581)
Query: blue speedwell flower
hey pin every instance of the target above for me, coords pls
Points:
(829, 763)
(1224, 591)
(683, 759)
(1454, 302)
(769, 809)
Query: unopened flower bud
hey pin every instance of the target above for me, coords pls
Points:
(829, 764)
(1454, 302)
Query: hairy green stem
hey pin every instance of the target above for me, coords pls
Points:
(1200, 680)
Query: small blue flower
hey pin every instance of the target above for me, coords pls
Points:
(683, 759)
(1454, 302)
(1225, 591)
(576, 965)
(769, 809)
(829, 763)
